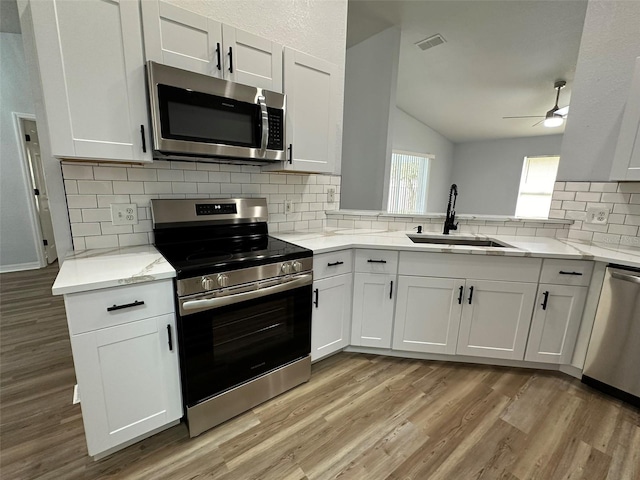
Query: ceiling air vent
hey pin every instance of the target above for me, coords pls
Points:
(431, 42)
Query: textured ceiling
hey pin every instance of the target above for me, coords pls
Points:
(501, 58)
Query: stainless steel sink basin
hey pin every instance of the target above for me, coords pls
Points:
(469, 242)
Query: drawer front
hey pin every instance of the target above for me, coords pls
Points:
(376, 261)
(88, 311)
(332, 263)
(566, 272)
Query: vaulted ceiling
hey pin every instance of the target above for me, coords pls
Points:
(500, 58)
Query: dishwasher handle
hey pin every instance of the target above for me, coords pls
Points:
(625, 276)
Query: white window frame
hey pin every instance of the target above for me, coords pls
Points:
(541, 193)
(430, 158)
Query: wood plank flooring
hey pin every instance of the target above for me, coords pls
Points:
(360, 417)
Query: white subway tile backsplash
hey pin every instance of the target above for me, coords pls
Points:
(132, 239)
(95, 187)
(603, 187)
(71, 187)
(109, 173)
(170, 176)
(629, 187)
(590, 197)
(616, 197)
(577, 186)
(142, 174)
(630, 230)
(209, 188)
(109, 229)
(184, 187)
(128, 187)
(102, 241)
(157, 187)
(77, 172)
(85, 229)
(82, 201)
(96, 215)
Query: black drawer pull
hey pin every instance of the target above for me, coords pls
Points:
(128, 305)
(545, 301)
(391, 290)
(170, 338)
(317, 292)
(218, 56)
(230, 60)
(376, 261)
(144, 139)
(570, 273)
(470, 294)
(334, 264)
(460, 296)
(290, 153)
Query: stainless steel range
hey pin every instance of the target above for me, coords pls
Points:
(244, 303)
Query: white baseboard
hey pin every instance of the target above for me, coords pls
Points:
(19, 267)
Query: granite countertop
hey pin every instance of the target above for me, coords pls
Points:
(541, 247)
(111, 267)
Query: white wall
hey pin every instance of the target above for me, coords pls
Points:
(412, 135)
(17, 237)
(370, 86)
(610, 43)
(488, 172)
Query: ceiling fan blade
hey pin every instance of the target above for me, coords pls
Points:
(527, 116)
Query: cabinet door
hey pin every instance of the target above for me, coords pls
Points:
(428, 314)
(495, 319)
(311, 86)
(251, 60)
(626, 161)
(92, 72)
(128, 380)
(331, 319)
(179, 38)
(555, 324)
(373, 300)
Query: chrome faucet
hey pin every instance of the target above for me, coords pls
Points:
(451, 211)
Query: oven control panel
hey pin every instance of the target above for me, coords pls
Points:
(216, 208)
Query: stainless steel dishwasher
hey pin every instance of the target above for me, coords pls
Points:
(613, 356)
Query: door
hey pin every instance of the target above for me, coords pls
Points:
(556, 321)
(251, 60)
(179, 38)
(495, 319)
(91, 62)
(311, 85)
(128, 379)
(373, 299)
(331, 315)
(626, 161)
(428, 314)
(36, 173)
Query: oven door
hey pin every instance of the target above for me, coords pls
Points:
(228, 340)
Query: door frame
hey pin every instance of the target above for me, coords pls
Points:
(26, 178)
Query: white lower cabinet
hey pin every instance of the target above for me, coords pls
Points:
(373, 302)
(428, 314)
(331, 315)
(125, 352)
(495, 319)
(555, 324)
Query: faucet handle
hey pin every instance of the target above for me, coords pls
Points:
(419, 228)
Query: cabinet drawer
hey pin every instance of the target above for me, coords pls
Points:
(376, 261)
(566, 272)
(87, 311)
(332, 263)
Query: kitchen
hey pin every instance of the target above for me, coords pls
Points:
(91, 188)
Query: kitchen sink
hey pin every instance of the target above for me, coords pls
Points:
(469, 242)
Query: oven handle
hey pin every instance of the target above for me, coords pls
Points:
(192, 306)
(265, 125)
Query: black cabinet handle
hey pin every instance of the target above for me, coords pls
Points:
(570, 273)
(317, 292)
(376, 261)
(230, 60)
(170, 338)
(218, 56)
(128, 305)
(290, 152)
(460, 296)
(470, 294)
(546, 299)
(334, 264)
(391, 290)
(144, 140)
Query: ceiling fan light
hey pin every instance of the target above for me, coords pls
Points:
(553, 121)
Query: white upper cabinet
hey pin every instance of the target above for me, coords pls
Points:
(91, 63)
(312, 88)
(184, 39)
(626, 162)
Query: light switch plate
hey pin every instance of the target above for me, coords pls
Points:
(331, 195)
(124, 213)
(598, 215)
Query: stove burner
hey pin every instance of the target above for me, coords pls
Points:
(210, 256)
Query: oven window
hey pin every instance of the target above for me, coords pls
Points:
(194, 116)
(226, 346)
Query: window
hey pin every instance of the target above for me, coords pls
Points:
(536, 186)
(408, 183)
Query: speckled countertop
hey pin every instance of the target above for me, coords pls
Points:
(111, 267)
(541, 247)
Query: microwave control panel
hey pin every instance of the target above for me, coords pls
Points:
(276, 129)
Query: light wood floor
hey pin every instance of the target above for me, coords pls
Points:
(360, 417)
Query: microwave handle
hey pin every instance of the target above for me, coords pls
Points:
(265, 125)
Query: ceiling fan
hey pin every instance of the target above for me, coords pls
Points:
(554, 117)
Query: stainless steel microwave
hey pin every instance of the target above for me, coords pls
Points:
(195, 116)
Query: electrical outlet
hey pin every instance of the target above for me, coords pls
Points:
(288, 206)
(124, 213)
(331, 195)
(598, 215)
